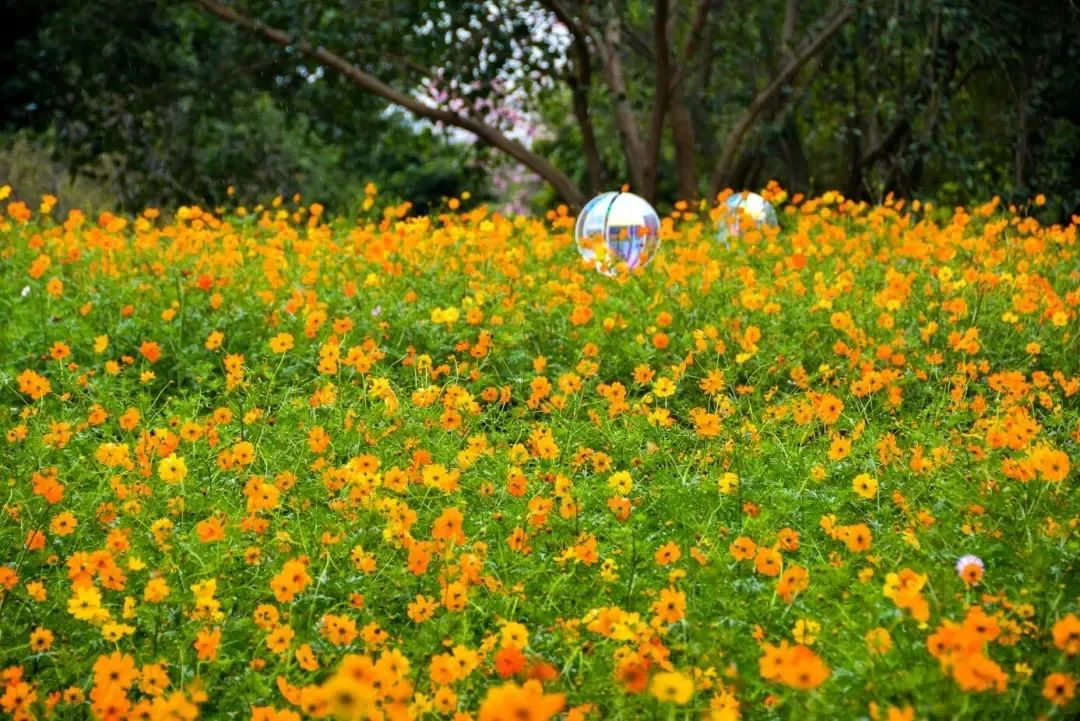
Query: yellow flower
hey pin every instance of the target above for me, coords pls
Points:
(113, 632)
(156, 591)
(865, 485)
(728, 483)
(673, 687)
(172, 468)
(878, 640)
(663, 387)
(620, 482)
(85, 604)
(806, 631)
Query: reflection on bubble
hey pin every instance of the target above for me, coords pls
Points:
(616, 230)
(745, 211)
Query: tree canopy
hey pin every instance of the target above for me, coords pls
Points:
(677, 98)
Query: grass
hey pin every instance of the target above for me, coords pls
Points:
(260, 463)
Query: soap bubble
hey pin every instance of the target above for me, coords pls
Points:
(745, 211)
(617, 228)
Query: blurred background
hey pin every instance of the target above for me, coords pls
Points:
(528, 103)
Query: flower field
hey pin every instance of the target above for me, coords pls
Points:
(262, 465)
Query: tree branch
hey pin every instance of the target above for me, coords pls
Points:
(835, 21)
(693, 43)
(682, 122)
(580, 87)
(369, 83)
(787, 33)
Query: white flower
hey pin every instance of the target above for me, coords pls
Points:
(26, 291)
(966, 561)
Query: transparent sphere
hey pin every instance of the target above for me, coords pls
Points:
(617, 228)
(743, 212)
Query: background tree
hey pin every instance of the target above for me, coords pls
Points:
(678, 98)
(183, 110)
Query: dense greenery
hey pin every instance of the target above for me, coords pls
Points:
(950, 99)
(262, 467)
(188, 110)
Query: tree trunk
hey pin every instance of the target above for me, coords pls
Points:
(798, 166)
(589, 145)
(625, 121)
(580, 88)
(661, 95)
(682, 130)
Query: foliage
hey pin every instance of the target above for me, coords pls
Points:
(26, 162)
(261, 465)
(188, 111)
(938, 99)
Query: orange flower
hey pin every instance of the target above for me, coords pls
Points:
(455, 596)
(210, 530)
(150, 350)
(292, 579)
(1066, 632)
(1059, 688)
(795, 580)
(668, 554)
(281, 343)
(977, 672)
(581, 315)
(795, 666)
(839, 448)
(511, 702)
(34, 385)
(671, 606)
(828, 408)
(448, 526)
(117, 670)
(768, 561)
(279, 639)
(509, 661)
(206, 644)
(857, 537)
(743, 548)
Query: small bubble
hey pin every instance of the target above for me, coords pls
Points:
(743, 211)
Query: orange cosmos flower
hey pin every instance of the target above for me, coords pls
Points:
(1059, 688)
(206, 644)
(768, 561)
(511, 702)
(671, 606)
(150, 350)
(116, 669)
(743, 548)
(1066, 633)
(281, 343)
(668, 553)
(34, 385)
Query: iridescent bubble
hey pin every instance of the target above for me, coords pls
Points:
(617, 228)
(742, 212)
